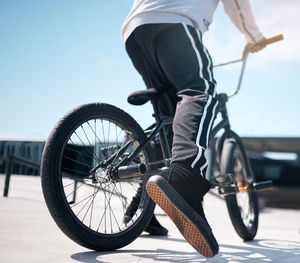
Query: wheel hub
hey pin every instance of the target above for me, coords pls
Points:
(102, 175)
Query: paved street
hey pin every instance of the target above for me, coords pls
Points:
(29, 234)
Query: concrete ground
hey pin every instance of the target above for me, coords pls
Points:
(29, 234)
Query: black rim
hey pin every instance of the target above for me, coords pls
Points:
(98, 203)
(243, 196)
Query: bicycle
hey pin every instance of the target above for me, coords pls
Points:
(98, 157)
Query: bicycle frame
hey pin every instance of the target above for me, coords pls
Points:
(121, 170)
(162, 121)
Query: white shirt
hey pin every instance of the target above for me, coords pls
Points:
(198, 13)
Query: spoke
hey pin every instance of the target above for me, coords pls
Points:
(96, 137)
(111, 230)
(71, 170)
(123, 200)
(91, 216)
(118, 135)
(105, 144)
(75, 151)
(117, 155)
(123, 204)
(81, 142)
(78, 150)
(81, 201)
(90, 150)
(115, 220)
(91, 204)
(112, 214)
(70, 184)
(73, 160)
(108, 132)
(94, 154)
(74, 190)
(109, 191)
(105, 208)
(124, 140)
(134, 187)
(97, 145)
(85, 205)
(120, 196)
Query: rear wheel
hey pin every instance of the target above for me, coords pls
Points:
(90, 208)
(243, 205)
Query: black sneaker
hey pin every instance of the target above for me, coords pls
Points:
(154, 227)
(189, 219)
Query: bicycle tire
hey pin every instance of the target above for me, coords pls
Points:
(243, 205)
(68, 156)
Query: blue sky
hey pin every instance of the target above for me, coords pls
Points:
(55, 55)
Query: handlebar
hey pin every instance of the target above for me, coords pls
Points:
(271, 40)
(264, 42)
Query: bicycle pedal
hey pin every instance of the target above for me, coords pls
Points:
(262, 185)
(228, 190)
(223, 180)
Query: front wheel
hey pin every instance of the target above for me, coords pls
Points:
(243, 205)
(89, 207)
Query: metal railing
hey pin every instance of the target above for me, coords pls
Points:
(11, 159)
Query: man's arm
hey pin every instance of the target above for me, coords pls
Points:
(241, 15)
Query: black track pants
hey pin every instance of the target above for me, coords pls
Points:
(172, 56)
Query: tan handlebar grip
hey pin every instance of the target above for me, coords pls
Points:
(272, 39)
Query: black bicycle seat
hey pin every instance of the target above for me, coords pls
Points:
(140, 97)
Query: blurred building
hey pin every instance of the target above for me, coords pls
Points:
(276, 159)
(31, 150)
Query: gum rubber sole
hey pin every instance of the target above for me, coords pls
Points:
(186, 227)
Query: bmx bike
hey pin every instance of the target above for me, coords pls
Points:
(98, 157)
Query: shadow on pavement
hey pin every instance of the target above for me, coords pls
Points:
(255, 251)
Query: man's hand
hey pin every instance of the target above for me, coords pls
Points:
(254, 47)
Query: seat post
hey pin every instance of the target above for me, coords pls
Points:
(164, 144)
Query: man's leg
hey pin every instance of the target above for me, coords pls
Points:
(170, 58)
(187, 65)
